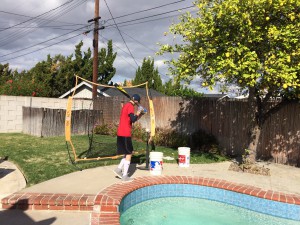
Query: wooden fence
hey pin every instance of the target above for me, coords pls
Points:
(226, 119)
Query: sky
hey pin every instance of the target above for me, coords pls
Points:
(31, 29)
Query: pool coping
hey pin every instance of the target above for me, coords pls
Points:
(104, 206)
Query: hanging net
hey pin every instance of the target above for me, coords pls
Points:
(91, 124)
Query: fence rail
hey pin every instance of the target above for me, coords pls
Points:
(227, 120)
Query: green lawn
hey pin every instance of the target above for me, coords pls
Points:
(41, 159)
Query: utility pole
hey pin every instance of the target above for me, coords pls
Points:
(95, 45)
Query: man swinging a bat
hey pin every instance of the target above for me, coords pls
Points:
(124, 141)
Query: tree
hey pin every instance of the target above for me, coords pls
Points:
(147, 72)
(5, 73)
(82, 63)
(252, 44)
(106, 70)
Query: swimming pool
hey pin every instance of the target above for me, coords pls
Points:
(260, 205)
(113, 200)
(195, 211)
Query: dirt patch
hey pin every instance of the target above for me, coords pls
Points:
(249, 168)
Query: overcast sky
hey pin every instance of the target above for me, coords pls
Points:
(32, 29)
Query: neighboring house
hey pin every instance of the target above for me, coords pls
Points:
(84, 91)
(218, 96)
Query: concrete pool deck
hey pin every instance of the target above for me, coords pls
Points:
(79, 197)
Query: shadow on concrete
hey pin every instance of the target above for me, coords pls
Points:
(16, 216)
(4, 172)
(131, 170)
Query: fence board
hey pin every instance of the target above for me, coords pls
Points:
(227, 120)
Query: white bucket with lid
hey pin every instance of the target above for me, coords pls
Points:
(184, 156)
(156, 163)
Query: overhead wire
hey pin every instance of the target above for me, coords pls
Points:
(33, 18)
(71, 32)
(145, 10)
(58, 21)
(151, 16)
(121, 34)
(53, 27)
(90, 30)
(147, 21)
(43, 47)
(52, 14)
(19, 50)
(115, 45)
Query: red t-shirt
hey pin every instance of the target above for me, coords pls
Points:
(125, 124)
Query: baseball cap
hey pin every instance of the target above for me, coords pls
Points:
(136, 97)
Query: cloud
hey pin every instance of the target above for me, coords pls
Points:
(140, 31)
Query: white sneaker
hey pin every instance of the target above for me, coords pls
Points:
(118, 172)
(126, 178)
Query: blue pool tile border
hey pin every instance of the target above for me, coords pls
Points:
(261, 205)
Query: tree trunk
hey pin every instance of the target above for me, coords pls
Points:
(252, 147)
(254, 129)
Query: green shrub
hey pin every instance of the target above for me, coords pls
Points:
(138, 133)
(170, 138)
(203, 142)
(106, 129)
(199, 141)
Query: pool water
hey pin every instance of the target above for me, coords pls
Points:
(195, 211)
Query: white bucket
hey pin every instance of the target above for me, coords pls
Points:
(184, 156)
(156, 163)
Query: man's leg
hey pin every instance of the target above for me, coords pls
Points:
(118, 170)
(126, 164)
(121, 164)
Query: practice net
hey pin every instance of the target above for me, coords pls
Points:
(91, 124)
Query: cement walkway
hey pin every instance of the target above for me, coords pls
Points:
(91, 181)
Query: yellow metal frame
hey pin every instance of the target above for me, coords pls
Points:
(68, 119)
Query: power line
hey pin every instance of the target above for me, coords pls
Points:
(120, 33)
(1, 56)
(16, 14)
(147, 21)
(51, 27)
(152, 15)
(87, 32)
(121, 50)
(51, 14)
(33, 18)
(147, 9)
(42, 48)
(90, 30)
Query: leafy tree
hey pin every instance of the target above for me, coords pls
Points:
(106, 70)
(172, 88)
(147, 72)
(57, 73)
(252, 44)
(82, 63)
(18, 84)
(5, 73)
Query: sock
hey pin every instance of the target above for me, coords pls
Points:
(121, 163)
(126, 167)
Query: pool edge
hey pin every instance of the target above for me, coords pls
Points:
(106, 205)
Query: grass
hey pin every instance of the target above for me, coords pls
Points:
(41, 159)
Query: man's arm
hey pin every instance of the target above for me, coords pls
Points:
(134, 118)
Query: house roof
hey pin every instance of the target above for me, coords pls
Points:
(84, 90)
(131, 91)
(214, 95)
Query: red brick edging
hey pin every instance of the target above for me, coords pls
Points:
(47, 201)
(105, 205)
